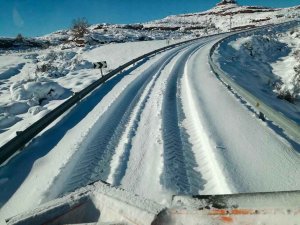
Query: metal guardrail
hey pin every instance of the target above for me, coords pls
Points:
(289, 126)
(23, 137)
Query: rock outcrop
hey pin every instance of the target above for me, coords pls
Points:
(224, 2)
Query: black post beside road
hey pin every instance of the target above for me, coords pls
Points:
(100, 65)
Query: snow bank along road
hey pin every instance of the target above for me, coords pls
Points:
(165, 126)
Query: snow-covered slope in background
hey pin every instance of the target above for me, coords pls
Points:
(222, 18)
(225, 17)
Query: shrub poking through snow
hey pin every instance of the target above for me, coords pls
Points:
(273, 49)
(284, 93)
(290, 91)
(79, 27)
(46, 67)
(58, 64)
(261, 47)
(19, 38)
(51, 56)
(296, 54)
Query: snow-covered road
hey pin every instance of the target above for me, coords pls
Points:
(165, 126)
(251, 156)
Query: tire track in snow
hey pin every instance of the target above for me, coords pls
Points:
(94, 163)
(132, 128)
(251, 157)
(144, 163)
(138, 103)
(179, 174)
(207, 163)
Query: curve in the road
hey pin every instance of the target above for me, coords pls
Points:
(246, 155)
(92, 163)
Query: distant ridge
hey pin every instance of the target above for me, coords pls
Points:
(227, 15)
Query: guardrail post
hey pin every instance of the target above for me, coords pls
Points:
(262, 116)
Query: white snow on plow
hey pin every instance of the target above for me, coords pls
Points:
(99, 203)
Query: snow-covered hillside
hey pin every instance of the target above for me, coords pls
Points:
(288, 68)
(225, 16)
(269, 61)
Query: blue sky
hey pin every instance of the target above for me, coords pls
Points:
(38, 17)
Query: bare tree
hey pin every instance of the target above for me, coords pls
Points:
(79, 27)
(19, 38)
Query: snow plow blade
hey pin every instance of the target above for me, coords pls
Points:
(99, 203)
(247, 209)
